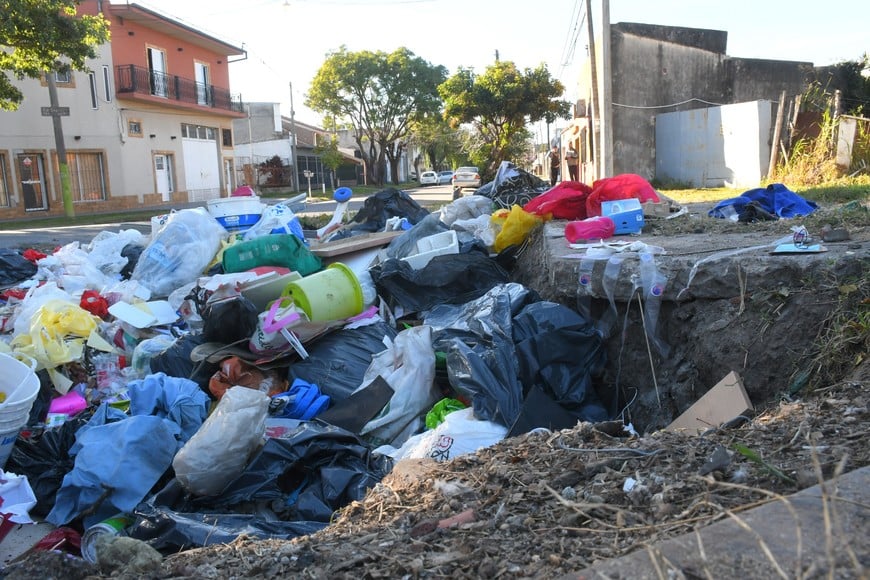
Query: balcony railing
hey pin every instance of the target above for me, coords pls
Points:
(130, 78)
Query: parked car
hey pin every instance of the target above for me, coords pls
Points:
(445, 177)
(428, 178)
(466, 177)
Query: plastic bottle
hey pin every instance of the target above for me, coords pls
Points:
(611, 276)
(584, 288)
(653, 288)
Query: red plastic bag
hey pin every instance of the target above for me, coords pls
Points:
(565, 201)
(623, 186)
(590, 229)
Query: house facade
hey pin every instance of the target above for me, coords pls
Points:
(150, 125)
(636, 72)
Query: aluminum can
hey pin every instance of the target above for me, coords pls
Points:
(114, 526)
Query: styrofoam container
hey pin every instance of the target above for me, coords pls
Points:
(627, 215)
(431, 246)
(236, 214)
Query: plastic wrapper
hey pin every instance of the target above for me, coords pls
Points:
(218, 452)
(179, 252)
(408, 366)
(109, 250)
(276, 219)
(516, 228)
(466, 208)
(72, 268)
(406, 244)
(58, 330)
(512, 186)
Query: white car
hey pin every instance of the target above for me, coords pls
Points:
(466, 177)
(428, 178)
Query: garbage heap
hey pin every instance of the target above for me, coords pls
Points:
(222, 377)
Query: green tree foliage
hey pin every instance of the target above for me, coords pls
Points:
(329, 154)
(42, 35)
(380, 94)
(499, 104)
(439, 143)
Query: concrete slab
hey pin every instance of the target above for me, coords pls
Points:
(21, 538)
(812, 529)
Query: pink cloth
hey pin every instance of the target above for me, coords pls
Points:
(243, 191)
(565, 201)
(623, 186)
(590, 229)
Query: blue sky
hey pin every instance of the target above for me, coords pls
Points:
(287, 41)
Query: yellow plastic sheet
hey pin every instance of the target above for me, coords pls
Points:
(515, 228)
(57, 334)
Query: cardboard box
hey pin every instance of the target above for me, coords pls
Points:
(725, 401)
(660, 210)
(625, 213)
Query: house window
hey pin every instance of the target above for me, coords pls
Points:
(157, 72)
(4, 182)
(227, 137)
(87, 175)
(203, 90)
(107, 87)
(63, 77)
(92, 81)
(198, 132)
(134, 128)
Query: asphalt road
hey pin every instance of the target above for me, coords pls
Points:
(432, 196)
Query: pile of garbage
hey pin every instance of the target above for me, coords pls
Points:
(216, 379)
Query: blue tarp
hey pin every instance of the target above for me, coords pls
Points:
(776, 199)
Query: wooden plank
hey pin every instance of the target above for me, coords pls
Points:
(723, 402)
(353, 244)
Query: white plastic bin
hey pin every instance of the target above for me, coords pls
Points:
(431, 246)
(236, 214)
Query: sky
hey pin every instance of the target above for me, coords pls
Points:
(288, 40)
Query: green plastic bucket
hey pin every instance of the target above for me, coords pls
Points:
(330, 294)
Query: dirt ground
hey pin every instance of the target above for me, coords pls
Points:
(548, 504)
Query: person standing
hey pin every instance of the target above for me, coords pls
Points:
(573, 161)
(555, 165)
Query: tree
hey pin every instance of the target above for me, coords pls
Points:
(499, 104)
(379, 94)
(438, 141)
(330, 156)
(44, 35)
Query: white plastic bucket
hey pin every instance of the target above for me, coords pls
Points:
(20, 386)
(236, 214)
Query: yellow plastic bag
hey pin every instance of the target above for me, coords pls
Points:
(515, 228)
(57, 334)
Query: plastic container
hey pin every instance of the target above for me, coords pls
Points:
(627, 215)
(19, 386)
(236, 214)
(331, 294)
(427, 248)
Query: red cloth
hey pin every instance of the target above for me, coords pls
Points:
(95, 304)
(565, 201)
(623, 186)
(590, 229)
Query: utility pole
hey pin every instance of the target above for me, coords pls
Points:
(63, 168)
(606, 94)
(596, 138)
(295, 174)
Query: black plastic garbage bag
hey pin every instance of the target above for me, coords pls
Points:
(383, 205)
(406, 244)
(513, 186)
(446, 279)
(229, 320)
(338, 362)
(45, 461)
(560, 351)
(168, 523)
(14, 267)
(132, 252)
(308, 474)
(175, 361)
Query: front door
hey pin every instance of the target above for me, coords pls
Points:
(163, 173)
(31, 171)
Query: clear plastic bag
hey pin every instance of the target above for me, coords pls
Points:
(219, 451)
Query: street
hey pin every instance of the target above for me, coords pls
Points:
(430, 197)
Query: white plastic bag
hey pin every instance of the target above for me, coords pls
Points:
(458, 434)
(180, 251)
(278, 219)
(218, 452)
(408, 366)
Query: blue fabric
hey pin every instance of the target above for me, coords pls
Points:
(177, 399)
(125, 458)
(775, 199)
(102, 416)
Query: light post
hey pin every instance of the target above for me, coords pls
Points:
(294, 173)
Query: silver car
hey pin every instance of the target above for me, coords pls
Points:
(466, 177)
(445, 177)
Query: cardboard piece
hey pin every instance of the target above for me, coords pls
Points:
(725, 401)
(353, 244)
